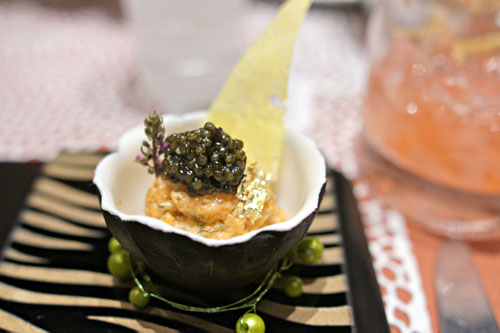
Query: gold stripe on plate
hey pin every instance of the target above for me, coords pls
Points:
(328, 202)
(330, 239)
(66, 193)
(324, 222)
(325, 285)
(12, 323)
(27, 237)
(11, 293)
(82, 159)
(15, 294)
(56, 275)
(188, 319)
(134, 324)
(67, 211)
(327, 316)
(68, 172)
(14, 254)
(54, 224)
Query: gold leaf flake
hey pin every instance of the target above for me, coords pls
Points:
(253, 192)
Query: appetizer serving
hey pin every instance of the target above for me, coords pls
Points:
(203, 183)
(188, 259)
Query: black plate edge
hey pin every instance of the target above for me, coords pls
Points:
(363, 291)
(16, 181)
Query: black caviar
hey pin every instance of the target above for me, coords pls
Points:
(206, 160)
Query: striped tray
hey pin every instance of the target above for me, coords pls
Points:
(53, 273)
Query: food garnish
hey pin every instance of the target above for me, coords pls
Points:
(292, 286)
(117, 265)
(251, 104)
(206, 159)
(114, 246)
(154, 147)
(144, 289)
(250, 323)
(213, 230)
(138, 298)
(253, 193)
(309, 250)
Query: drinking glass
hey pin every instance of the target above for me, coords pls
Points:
(186, 48)
(431, 138)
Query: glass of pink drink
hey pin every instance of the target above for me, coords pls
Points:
(431, 139)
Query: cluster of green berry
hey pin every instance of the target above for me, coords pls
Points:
(309, 250)
(120, 264)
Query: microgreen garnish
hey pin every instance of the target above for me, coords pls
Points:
(212, 231)
(165, 211)
(198, 223)
(153, 149)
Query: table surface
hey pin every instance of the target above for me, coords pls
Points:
(69, 81)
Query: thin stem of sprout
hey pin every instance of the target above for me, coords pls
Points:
(249, 301)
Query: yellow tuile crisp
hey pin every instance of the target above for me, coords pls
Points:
(250, 106)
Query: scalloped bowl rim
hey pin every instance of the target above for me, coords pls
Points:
(108, 203)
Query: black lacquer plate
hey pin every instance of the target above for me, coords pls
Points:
(53, 270)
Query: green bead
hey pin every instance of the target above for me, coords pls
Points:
(138, 298)
(310, 250)
(292, 286)
(139, 266)
(250, 323)
(114, 245)
(118, 265)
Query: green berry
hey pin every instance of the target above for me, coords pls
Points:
(138, 298)
(118, 265)
(138, 266)
(292, 286)
(250, 323)
(114, 245)
(310, 250)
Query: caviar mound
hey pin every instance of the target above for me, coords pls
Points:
(206, 160)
